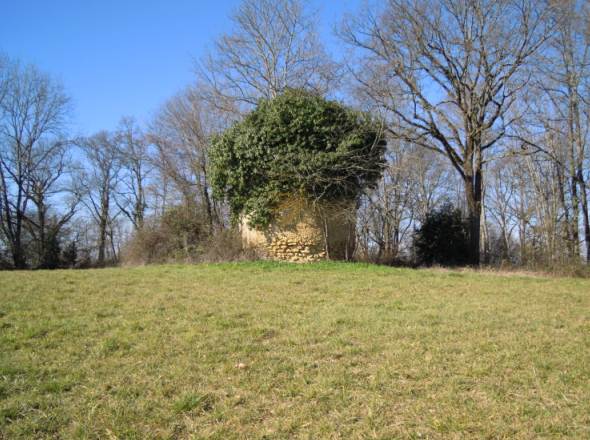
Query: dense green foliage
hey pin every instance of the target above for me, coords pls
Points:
(443, 238)
(295, 143)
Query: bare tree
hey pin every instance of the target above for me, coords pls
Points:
(182, 132)
(392, 209)
(136, 166)
(33, 111)
(273, 45)
(564, 112)
(100, 179)
(500, 199)
(448, 72)
(413, 183)
(55, 198)
(432, 181)
(5, 74)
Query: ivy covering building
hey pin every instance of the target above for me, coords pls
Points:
(292, 172)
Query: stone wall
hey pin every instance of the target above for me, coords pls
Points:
(305, 232)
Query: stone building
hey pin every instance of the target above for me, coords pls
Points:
(305, 232)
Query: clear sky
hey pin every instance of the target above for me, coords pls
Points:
(124, 57)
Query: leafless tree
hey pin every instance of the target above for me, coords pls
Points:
(449, 73)
(413, 184)
(181, 133)
(5, 76)
(501, 198)
(136, 166)
(100, 178)
(55, 197)
(563, 111)
(33, 111)
(273, 45)
(392, 205)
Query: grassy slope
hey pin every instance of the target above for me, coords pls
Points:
(328, 351)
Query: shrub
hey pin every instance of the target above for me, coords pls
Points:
(175, 236)
(225, 245)
(443, 238)
(182, 234)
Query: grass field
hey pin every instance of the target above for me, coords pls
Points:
(261, 350)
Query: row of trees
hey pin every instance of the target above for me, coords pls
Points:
(485, 103)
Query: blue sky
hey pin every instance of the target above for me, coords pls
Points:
(124, 57)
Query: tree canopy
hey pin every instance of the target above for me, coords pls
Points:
(297, 143)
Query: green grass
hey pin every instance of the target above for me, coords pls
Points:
(261, 350)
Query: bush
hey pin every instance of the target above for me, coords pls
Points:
(175, 236)
(182, 234)
(225, 245)
(443, 238)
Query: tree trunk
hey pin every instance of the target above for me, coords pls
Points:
(484, 231)
(18, 254)
(473, 193)
(574, 244)
(43, 263)
(139, 203)
(580, 160)
(585, 215)
(326, 236)
(103, 225)
(102, 243)
(18, 257)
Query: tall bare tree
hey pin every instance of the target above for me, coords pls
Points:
(100, 178)
(5, 74)
(448, 72)
(136, 166)
(182, 132)
(412, 185)
(55, 197)
(565, 112)
(273, 45)
(33, 112)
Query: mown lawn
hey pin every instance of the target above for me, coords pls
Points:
(261, 350)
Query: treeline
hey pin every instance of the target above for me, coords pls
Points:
(485, 106)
